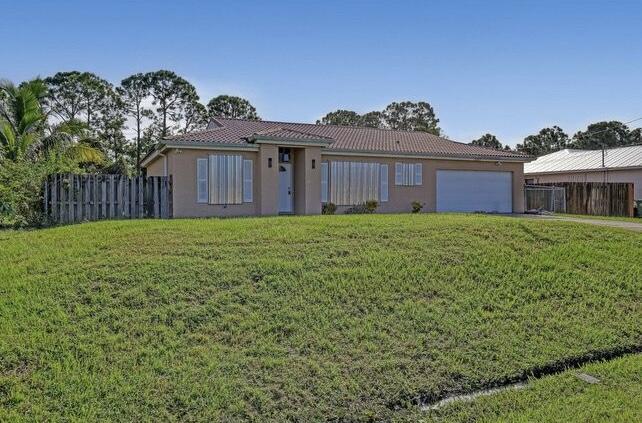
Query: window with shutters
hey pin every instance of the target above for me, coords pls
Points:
(201, 181)
(248, 185)
(224, 179)
(408, 174)
(354, 182)
(324, 182)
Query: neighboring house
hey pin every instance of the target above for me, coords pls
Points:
(242, 167)
(622, 164)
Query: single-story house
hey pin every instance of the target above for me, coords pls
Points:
(240, 167)
(621, 164)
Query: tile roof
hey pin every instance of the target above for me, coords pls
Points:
(285, 133)
(346, 138)
(576, 160)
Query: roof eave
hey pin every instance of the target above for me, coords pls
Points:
(374, 153)
(594, 169)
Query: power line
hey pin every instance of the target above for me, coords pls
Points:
(608, 129)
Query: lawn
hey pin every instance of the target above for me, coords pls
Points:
(617, 397)
(301, 318)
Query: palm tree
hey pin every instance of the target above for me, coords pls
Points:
(24, 132)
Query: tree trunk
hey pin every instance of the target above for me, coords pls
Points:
(138, 143)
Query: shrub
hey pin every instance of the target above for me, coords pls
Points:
(416, 206)
(365, 208)
(371, 205)
(329, 208)
(21, 185)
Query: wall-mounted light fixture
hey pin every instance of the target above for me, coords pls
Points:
(269, 161)
(314, 164)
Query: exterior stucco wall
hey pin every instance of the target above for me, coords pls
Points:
(626, 175)
(268, 180)
(401, 197)
(157, 167)
(307, 181)
(181, 165)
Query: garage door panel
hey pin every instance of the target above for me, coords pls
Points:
(474, 191)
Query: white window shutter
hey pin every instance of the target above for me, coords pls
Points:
(248, 186)
(398, 174)
(238, 180)
(215, 180)
(201, 181)
(383, 183)
(418, 174)
(324, 182)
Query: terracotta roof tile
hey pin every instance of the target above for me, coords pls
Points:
(346, 138)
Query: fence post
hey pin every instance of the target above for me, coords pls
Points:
(170, 199)
(141, 200)
(46, 198)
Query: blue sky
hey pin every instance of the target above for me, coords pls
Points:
(505, 67)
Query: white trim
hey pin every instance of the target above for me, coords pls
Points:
(213, 147)
(594, 170)
(328, 152)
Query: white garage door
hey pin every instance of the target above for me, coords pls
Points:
(474, 191)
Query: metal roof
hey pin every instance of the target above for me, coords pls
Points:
(570, 160)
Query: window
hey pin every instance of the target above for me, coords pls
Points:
(247, 181)
(408, 174)
(383, 183)
(324, 182)
(201, 180)
(354, 182)
(224, 179)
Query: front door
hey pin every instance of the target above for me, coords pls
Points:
(286, 186)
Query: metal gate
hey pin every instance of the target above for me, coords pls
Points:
(545, 198)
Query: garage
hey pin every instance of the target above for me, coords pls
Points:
(474, 191)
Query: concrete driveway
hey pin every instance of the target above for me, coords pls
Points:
(632, 226)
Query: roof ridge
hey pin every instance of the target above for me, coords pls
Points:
(373, 129)
(336, 126)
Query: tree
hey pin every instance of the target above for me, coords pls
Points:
(194, 117)
(341, 117)
(133, 92)
(605, 134)
(21, 118)
(411, 116)
(171, 94)
(372, 120)
(231, 107)
(75, 95)
(489, 141)
(24, 132)
(548, 140)
(109, 131)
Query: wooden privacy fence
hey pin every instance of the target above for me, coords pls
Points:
(72, 198)
(597, 198)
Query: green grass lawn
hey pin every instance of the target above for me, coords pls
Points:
(616, 398)
(300, 318)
